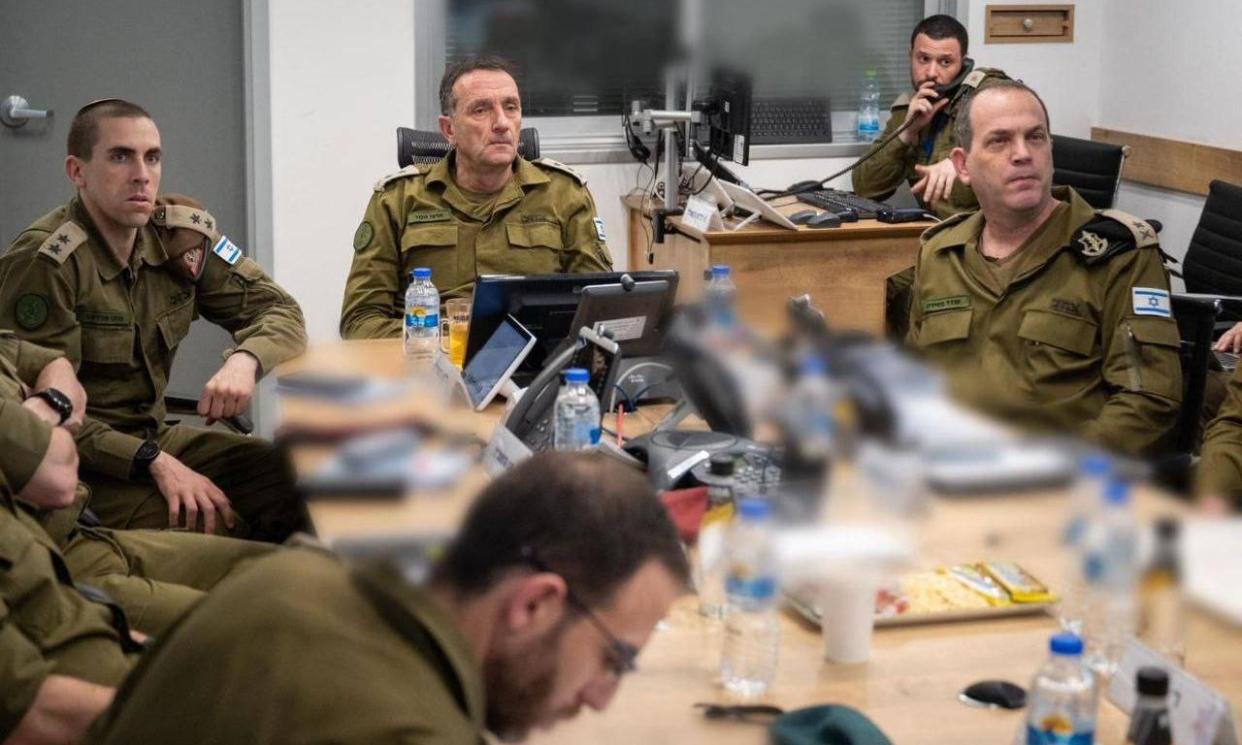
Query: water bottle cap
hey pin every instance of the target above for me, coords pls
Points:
(1117, 493)
(1167, 528)
(577, 375)
(422, 272)
(754, 509)
(813, 364)
(1097, 465)
(1152, 681)
(1066, 644)
(720, 270)
(722, 464)
(871, 73)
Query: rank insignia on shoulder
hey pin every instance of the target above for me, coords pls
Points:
(1151, 301)
(410, 170)
(1091, 245)
(227, 250)
(62, 242)
(556, 165)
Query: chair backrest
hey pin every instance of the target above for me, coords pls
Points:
(424, 147)
(1213, 263)
(1092, 168)
(1196, 323)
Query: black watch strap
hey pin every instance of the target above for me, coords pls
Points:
(147, 452)
(59, 402)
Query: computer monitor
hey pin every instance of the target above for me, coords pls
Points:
(547, 304)
(728, 116)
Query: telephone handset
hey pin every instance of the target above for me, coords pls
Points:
(949, 88)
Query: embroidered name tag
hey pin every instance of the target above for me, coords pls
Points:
(428, 216)
(1149, 301)
(956, 302)
(103, 318)
(227, 250)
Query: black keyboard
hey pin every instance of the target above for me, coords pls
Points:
(788, 121)
(835, 200)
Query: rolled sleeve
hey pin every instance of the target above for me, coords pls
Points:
(105, 450)
(22, 671)
(32, 358)
(24, 438)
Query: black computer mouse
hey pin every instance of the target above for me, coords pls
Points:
(848, 215)
(800, 218)
(825, 220)
(994, 693)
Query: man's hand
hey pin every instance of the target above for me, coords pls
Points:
(229, 390)
(925, 105)
(61, 711)
(186, 489)
(1230, 341)
(59, 374)
(936, 182)
(54, 482)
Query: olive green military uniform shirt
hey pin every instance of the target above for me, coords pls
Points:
(299, 648)
(63, 288)
(880, 175)
(1081, 338)
(542, 222)
(1220, 464)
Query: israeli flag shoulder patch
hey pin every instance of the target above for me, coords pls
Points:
(1151, 301)
(227, 250)
(599, 229)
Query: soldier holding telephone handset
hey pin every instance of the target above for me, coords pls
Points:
(942, 77)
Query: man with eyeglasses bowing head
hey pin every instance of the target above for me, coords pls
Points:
(537, 608)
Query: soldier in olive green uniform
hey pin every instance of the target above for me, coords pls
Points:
(481, 210)
(1040, 308)
(920, 154)
(522, 623)
(1220, 467)
(63, 286)
(155, 576)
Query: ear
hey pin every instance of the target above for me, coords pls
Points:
(73, 170)
(534, 605)
(446, 128)
(958, 156)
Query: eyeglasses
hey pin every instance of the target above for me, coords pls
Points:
(622, 654)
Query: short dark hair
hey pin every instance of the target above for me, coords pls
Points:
(587, 517)
(963, 127)
(84, 130)
(469, 64)
(940, 27)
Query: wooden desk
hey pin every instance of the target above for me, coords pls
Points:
(843, 269)
(910, 685)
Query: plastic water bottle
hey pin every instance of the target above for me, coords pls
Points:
(1111, 574)
(422, 319)
(751, 635)
(1062, 702)
(720, 298)
(576, 426)
(869, 108)
(710, 547)
(1162, 612)
(1094, 473)
(815, 399)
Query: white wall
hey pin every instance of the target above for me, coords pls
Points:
(342, 80)
(1171, 70)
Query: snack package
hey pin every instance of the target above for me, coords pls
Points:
(969, 575)
(1020, 585)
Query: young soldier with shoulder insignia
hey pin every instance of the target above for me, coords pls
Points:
(1039, 307)
(482, 209)
(112, 280)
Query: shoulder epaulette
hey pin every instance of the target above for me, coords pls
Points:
(410, 170)
(1112, 232)
(62, 242)
(174, 216)
(944, 224)
(556, 165)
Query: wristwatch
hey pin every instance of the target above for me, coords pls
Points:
(59, 402)
(148, 451)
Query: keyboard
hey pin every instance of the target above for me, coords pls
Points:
(835, 200)
(789, 121)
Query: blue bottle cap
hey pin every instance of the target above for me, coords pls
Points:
(813, 364)
(754, 509)
(720, 270)
(1096, 465)
(422, 272)
(1066, 644)
(577, 375)
(1117, 493)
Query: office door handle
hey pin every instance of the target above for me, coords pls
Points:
(15, 111)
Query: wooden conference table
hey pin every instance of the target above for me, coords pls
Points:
(910, 685)
(843, 268)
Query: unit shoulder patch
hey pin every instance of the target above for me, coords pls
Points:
(62, 241)
(408, 171)
(556, 165)
(31, 311)
(363, 235)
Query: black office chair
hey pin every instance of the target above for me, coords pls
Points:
(425, 147)
(1213, 263)
(1093, 169)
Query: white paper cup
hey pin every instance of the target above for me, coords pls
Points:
(848, 616)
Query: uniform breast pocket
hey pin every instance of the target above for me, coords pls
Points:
(1062, 353)
(108, 346)
(535, 248)
(938, 329)
(432, 246)
(175, 324)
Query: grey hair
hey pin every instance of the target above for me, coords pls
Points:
(962, 127)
